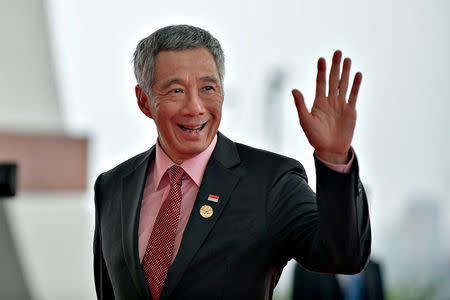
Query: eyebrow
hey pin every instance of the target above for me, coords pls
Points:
(208, 78)
(170, 82)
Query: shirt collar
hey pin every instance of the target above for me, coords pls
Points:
(194, 167)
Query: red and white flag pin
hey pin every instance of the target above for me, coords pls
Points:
(213, 198)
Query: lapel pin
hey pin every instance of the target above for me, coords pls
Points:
(206, 211)
(213, 198)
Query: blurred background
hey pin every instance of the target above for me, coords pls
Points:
(68, 112)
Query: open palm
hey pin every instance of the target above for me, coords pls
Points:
(330, 125)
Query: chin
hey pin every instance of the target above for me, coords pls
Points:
(195, 148)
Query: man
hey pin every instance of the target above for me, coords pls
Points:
(201, 217)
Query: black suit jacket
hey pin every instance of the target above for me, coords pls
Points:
(266, 215)
(319, 286)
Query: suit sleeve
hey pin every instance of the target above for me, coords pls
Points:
(103, 285)
(328, 232)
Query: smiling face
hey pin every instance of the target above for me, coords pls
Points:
(186, 102)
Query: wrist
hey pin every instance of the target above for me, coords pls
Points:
(333, 158)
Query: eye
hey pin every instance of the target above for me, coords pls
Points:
(208, 88)
(177, 91)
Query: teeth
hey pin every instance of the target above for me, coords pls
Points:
(199, 127)
(192, 129)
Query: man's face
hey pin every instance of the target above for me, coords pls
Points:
(186, 102)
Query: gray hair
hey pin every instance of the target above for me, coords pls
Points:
(174, 37)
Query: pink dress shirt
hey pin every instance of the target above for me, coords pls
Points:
(157, 189)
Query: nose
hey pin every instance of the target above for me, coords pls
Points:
(194, 104)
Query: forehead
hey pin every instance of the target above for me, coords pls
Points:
(184, 64)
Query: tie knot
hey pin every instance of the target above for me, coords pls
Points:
(175, 174)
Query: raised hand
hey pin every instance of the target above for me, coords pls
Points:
(330, 125)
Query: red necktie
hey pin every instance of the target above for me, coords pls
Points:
(158, 255)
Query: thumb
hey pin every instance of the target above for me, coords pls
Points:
(302, 111)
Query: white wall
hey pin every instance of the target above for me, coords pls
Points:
(28, 92)
(53, 236)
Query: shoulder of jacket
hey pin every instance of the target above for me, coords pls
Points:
(124, 167)
(269, 161)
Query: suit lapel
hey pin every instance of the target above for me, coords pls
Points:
(217, 180)
(133, 185)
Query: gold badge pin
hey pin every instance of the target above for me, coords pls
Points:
(206, 211)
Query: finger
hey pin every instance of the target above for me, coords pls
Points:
(321, 82)
(302, 110)
(334, 74)
(355, 89)
(343, 84)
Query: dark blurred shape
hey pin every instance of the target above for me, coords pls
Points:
(8, 175)
(367, 285)
(273, 113)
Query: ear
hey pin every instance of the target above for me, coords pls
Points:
(142, 100)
